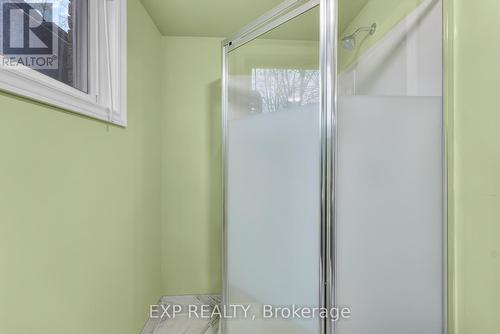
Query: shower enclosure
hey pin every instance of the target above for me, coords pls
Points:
(334, 169)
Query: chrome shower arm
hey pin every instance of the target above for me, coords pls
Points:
(371, 30)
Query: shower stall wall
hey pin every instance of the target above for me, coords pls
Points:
(334, 168)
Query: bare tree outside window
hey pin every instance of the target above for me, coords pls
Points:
(70, 27)
(285, 88)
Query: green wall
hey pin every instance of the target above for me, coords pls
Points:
(274, 53)
(191, 193)
(191, 196)
(475, 241)
(80, 208)
(385, 13)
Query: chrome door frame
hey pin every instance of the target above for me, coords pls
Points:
(281, 14)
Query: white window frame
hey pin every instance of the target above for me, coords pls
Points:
(107, 70)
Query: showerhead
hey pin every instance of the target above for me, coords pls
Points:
(349, 42)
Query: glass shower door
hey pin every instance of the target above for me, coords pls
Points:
(389, 230)
(273, 176)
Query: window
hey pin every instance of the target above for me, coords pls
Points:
(283, 88)
(67, 53)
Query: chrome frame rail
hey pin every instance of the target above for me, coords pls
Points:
(328, 68)
(277, 16)
(224, 113)
(447, 147)
(281, 14)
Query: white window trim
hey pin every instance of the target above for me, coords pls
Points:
(102, 78)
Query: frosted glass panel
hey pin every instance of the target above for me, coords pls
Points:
(273, 177)
(390, 268)
(273, 212)
(389, 215)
